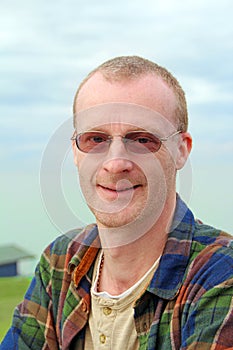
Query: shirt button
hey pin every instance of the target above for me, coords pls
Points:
(107, 311)
(84, 305)
(102, 338)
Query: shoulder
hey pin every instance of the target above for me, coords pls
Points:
(205, 297)
(206, 236)
(211, 256)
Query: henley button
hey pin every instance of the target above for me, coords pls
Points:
(107, 311)
(102, 338)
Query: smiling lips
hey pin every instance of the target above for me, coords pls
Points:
(118, 190)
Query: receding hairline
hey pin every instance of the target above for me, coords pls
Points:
(128, 68)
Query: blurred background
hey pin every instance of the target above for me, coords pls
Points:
(47, 48)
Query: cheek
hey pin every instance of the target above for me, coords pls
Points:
(79, 159)
(168, 157)
(164, 176)
(88, 167)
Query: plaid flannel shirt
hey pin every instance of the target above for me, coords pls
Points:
(188, 304)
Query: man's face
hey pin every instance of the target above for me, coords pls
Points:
(120, 186)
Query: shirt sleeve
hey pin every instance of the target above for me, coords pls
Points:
(209, 323)
(28, 327)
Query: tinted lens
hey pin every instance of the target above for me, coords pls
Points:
(136, 142)
(95, 142)
(142, 142)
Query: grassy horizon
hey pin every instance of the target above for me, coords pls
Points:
(12, 290)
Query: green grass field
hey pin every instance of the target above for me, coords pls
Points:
(12, 290)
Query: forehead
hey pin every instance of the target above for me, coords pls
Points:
(148, 91)
(122, 116)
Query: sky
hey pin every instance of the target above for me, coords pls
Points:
(47, 48)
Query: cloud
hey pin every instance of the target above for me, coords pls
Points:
(201, 90)
(47, 49)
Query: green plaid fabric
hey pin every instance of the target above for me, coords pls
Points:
(188, 304)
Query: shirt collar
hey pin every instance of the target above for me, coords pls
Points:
(90, 242)
(168, 278)
(173, 262)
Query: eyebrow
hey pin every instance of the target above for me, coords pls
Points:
(135, 129)
(105, 129)
(126, 132)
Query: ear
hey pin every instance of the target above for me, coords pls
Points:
(184, 149)
(75, 152)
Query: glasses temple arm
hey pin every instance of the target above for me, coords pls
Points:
(168, 137)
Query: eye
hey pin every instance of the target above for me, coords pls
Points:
(143, 138)
(96, 138)
(142, 142)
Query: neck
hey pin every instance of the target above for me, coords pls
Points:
(125, 264)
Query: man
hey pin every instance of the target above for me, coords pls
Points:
(146, 275)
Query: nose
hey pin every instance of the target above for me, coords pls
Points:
(118, 165)
(117, 160)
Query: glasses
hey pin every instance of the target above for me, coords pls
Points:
(134, 141)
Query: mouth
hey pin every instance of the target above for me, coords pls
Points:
(113, 192)
(119, 190)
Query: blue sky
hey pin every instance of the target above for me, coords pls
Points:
(47, 48)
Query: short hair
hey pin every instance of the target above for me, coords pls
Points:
(131, 67)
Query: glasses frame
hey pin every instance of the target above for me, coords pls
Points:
(110, 138)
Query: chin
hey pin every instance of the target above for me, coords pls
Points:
(114, 220)
(122, 218)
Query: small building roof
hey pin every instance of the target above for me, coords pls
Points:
(13, 253)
